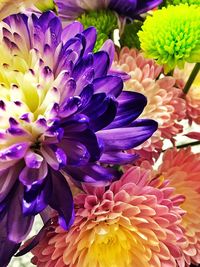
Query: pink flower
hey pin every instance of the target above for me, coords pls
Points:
(193, 96)
(134, 222)
(182, 169)
(165, 102)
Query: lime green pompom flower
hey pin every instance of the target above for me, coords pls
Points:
(172, 36)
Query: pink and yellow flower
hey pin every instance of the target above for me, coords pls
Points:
(165, 102)
(182, 169)
(132, 223)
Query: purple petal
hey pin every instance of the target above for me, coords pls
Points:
(28, 176)
(54, 156)
(111, 85)
(90, 36)
(109, 47)
(71, 31)
(88, 139)
(83, 73)
(131, 105)
(16, 151)
(76, 123)
(91, 173)
(62, 200)
(7, 247)
(33, 160)
(7, 180)
(118, 158)
(18, 225)
(34, 242)
(101, 111)
(126, 138)
(101, 69)
(36, 198)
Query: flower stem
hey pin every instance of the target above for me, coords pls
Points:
(195, 143)
(191, 78)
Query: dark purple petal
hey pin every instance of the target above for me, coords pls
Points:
(70, 107)
(103, 114)
(18, 225)
(91, 173)
(102, 68)
(76, 123)
(126, 138)
(77, 153)
(118, 158)
(83, 73)
(144, 6)
(34, 241)
(88, 139)
(36, 197)
(131, 105)
(7, 247)
(111, 85)
(61, 199)
(90, 37)
(7, 250)
(131, 8)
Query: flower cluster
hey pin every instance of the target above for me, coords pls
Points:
(59, 110)
(166, 104)
(95, 100)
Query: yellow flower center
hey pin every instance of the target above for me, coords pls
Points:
(113, 246)
(27, 93)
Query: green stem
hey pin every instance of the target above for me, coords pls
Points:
(191, 78)
(195, 143)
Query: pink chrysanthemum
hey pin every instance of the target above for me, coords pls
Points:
(132, 223)
(165, 102)
(182, 169)
(193, 96)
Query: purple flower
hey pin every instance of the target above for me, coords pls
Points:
(71, 9)
(62, 113)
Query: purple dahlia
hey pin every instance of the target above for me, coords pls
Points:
(70, 10)
(62, 112)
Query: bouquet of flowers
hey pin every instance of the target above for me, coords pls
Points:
(99, 132)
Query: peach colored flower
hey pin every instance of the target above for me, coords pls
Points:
(182, 169)
(131, 223)
(165, 102)
(193, 96)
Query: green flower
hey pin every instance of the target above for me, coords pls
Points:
(129, 37)
(178, 2)
(45, 5)
(105, 21)
(172, 36)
